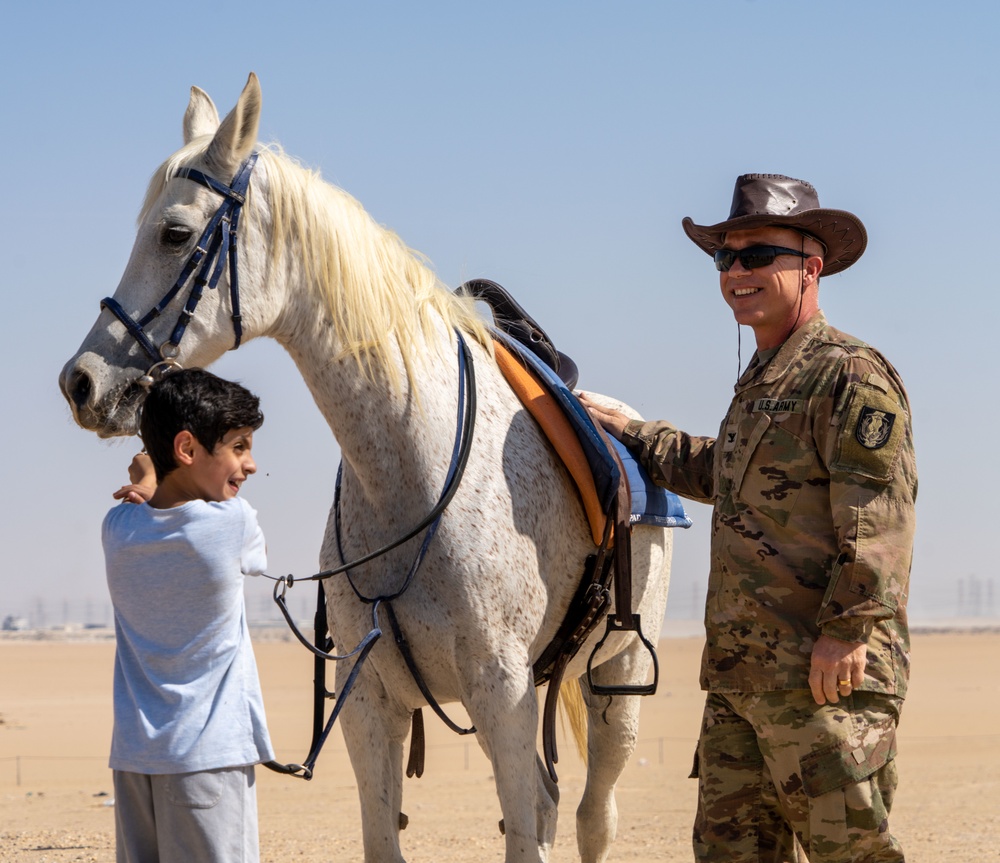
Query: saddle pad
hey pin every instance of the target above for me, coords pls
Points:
(543, 407)
(570, 429)
(651, 503)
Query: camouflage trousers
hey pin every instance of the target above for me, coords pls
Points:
(783, 779)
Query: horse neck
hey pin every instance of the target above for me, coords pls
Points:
(385, 428)
(393, 440)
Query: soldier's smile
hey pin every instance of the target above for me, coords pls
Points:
(768, 297)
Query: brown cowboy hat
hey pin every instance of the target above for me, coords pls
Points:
(773, 199)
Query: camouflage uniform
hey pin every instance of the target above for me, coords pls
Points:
(774, 763)
(813, 482)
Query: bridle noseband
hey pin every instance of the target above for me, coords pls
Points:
(217, 243)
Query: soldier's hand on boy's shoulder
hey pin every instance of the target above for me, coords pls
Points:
(143, 481)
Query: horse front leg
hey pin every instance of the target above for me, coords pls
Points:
(612, 731)
(502, 704)
(374, 728)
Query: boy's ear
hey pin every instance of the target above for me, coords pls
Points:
(184, 447)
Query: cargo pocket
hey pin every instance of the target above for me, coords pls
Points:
(845, 763)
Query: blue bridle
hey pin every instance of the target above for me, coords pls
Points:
(217, 243)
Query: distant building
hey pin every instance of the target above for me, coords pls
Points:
(13, 623)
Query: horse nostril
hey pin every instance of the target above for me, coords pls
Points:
(79, 388)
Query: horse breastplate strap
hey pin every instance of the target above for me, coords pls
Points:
(216, 245)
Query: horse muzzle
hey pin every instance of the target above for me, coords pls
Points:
(102, 399)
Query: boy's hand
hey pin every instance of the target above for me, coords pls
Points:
(143, 478)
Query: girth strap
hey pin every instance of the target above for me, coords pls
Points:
(593, 598)
(415, 763)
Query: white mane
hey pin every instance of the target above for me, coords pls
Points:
(380, 293)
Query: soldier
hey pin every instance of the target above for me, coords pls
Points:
(812, 479)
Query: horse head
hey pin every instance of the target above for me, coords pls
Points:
(182, 229)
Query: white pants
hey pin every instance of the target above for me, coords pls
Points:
(209, 817)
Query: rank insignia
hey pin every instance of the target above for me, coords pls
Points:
(874, 427)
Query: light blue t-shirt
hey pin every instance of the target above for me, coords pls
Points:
(186, 692)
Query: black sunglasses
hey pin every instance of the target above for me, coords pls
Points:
(752, 256)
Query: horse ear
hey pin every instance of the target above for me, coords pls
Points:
(201, 116)
(237, 135)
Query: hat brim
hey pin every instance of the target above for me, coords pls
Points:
(841, 232)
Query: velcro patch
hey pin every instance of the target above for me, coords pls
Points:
(871, 433)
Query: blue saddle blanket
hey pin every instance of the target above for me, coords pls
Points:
(651, 504)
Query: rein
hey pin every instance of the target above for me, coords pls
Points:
(216, 245)
(321, 647)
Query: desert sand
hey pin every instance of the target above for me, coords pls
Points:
(56, 803)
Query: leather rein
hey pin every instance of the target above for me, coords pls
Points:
(322, 645)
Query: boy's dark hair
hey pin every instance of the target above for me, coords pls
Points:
(197, 401)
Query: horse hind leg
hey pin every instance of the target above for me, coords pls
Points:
(612, 732)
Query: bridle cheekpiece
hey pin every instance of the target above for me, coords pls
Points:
(217, 243)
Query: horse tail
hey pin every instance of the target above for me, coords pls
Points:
(575, 711)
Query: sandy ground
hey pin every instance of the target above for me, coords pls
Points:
(55, 788)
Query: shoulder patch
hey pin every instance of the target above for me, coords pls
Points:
(874, 427)
(870, 433)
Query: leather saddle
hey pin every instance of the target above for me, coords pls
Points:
(512, 319)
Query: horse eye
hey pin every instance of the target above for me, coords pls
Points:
(176, 235)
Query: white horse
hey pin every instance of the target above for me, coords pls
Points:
(373, 333)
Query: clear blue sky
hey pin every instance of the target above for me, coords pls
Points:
(553, 147)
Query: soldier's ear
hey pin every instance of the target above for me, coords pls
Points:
(812, 266)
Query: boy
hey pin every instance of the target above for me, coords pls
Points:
(189, 715)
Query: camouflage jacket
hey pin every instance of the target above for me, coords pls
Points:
(813, 482)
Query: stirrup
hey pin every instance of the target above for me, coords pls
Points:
(615, 625)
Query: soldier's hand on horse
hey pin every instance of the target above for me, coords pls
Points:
(837, 669)
(613, 421)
